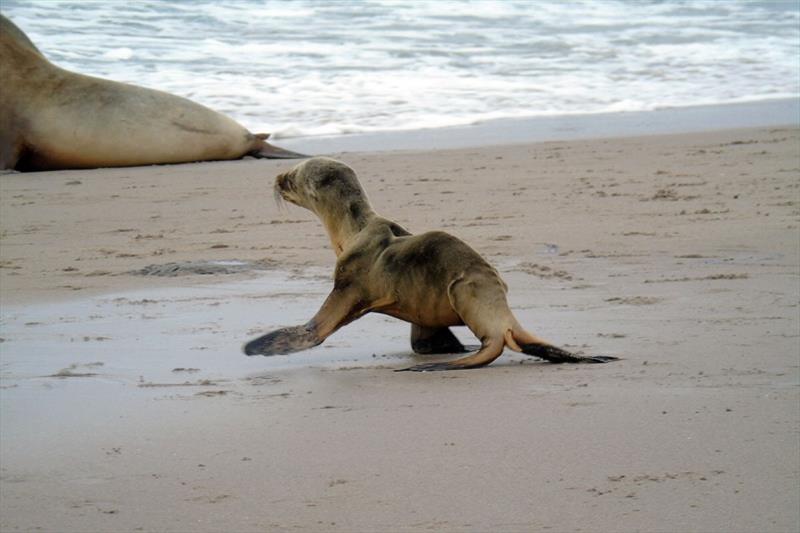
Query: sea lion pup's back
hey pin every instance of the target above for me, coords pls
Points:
(433, 280)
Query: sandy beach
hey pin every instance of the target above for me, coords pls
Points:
(127, 405)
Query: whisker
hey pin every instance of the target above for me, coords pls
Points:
(279, 201)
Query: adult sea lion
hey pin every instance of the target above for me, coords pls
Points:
(51, 118)
(432, 280)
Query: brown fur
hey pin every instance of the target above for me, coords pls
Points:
(51, 118)
(432, 280)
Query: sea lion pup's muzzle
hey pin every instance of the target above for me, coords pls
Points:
(285, 189)
(283, 183)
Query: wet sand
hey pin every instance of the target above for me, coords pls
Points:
(126, 404)
(702, 118)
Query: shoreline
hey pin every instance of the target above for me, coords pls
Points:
(505, 131)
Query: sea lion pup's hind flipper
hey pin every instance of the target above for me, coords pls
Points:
(265, 150)
(427, 341)
(480, 302)
(557, 355)
(490, 350)
(532, 345)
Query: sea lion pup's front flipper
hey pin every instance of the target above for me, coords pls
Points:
(340, 308)
(265, 150)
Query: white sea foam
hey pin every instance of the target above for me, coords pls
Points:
(321, 68)
(119, 53)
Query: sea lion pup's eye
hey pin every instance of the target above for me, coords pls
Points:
(328, 178)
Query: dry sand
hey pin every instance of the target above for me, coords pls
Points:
(127, 406)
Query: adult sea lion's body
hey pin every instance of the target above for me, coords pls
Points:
(432, 280)
(51, 118)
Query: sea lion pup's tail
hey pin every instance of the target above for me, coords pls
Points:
(522, 341)
(264, 150)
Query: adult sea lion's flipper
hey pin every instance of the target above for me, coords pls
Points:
(265, 150)
(10, 148)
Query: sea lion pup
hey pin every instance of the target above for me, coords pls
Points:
(51, 118)
(432, 280)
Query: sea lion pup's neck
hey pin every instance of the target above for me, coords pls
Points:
(344, 219)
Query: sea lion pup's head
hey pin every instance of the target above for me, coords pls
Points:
(331, 190)
(325, 186)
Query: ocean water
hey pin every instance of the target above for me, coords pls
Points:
(299, 68)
